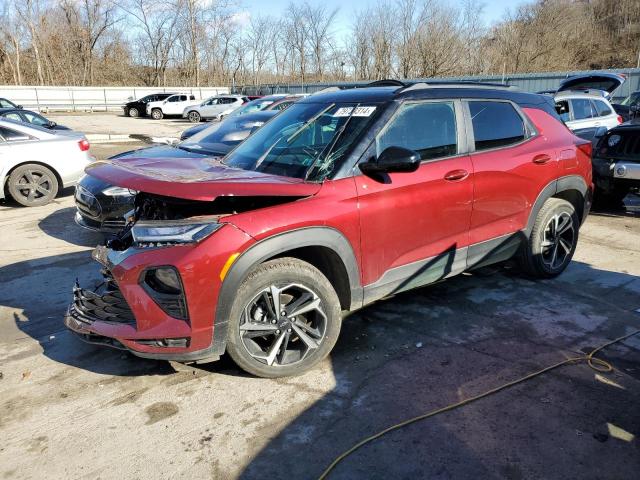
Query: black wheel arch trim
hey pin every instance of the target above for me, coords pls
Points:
(562, 184)
(273, 246)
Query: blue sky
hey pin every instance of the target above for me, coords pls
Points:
(493, 9)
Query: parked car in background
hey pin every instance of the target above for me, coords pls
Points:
(341, 200)
(27, 116)
(586, 110)
(616, 162)
(626, 108)
(138, 108)
(4, 103)
(103, 206)
(280, 104)
(214, 107)
(173, 105)
(35, 163)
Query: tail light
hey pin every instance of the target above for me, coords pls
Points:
(84, 145)
(620, 119)
(586, 148)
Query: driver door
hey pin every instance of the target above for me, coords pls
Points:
(415, 226)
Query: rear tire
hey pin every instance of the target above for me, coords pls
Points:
(133, 112)
(553, 240)
(194, 117)
(157, 114)
(272, 344)
(32, 185)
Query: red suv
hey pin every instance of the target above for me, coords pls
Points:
(343, 199)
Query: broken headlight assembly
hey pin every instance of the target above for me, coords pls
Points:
(119, 192)
(165, 233)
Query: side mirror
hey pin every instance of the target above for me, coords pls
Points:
(19, 107)
(600, 132)
(51, 124)
(392, 160)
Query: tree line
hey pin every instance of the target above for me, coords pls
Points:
(217, 42)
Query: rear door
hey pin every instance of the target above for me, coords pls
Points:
(415, 225)
(512, 163)
(175, 105)
(583, 114)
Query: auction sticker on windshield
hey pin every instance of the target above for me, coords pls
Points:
(359, 111)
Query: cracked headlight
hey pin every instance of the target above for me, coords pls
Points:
(119, 192)
(158, 234)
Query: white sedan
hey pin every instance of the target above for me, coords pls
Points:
(35, 162)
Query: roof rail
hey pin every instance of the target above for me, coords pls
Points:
(458, 84)
(384, 83)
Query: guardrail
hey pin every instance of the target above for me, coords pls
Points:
(46, 99)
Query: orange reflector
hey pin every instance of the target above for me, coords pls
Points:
(227, 265)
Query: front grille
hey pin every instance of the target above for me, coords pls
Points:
(627, 146)
(87, 202)
(105, 304)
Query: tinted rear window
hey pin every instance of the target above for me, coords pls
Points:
(495, 124)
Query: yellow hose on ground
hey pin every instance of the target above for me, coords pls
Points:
(595, 363)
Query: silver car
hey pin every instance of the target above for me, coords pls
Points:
(36, 162)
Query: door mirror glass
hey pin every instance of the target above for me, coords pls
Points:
(393, 160)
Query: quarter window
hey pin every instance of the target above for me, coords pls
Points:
(10, 135)
(495, 124)
(428, 128)
(582, 109)
(602, 108)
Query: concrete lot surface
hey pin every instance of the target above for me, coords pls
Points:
(117, 124)
(71, 410)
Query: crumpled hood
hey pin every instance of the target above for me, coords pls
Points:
(200, 178)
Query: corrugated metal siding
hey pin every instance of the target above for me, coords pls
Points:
(529, 82)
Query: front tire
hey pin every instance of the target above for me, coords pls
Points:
(553, 240)
(284, 320)
(32, 185)
(156, 114)
(194, 117)
(133, 112)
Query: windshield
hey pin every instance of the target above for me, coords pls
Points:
(307, 140)
(631, 99)
(221, 137)
(253, 106)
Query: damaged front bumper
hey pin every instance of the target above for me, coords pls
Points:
(124, 312)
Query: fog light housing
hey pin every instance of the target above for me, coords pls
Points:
(164, 286)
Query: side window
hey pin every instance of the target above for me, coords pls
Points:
(192, 97)
(562, 107)
(10, 135)
(581, 109)
(429, 128)
(495, 124)
(5, 104)
(175, 98)
(602, 108)
(183, 98)
(35, 119)
(13, 116)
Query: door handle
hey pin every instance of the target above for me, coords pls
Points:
(455, 175)
(541, 159)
